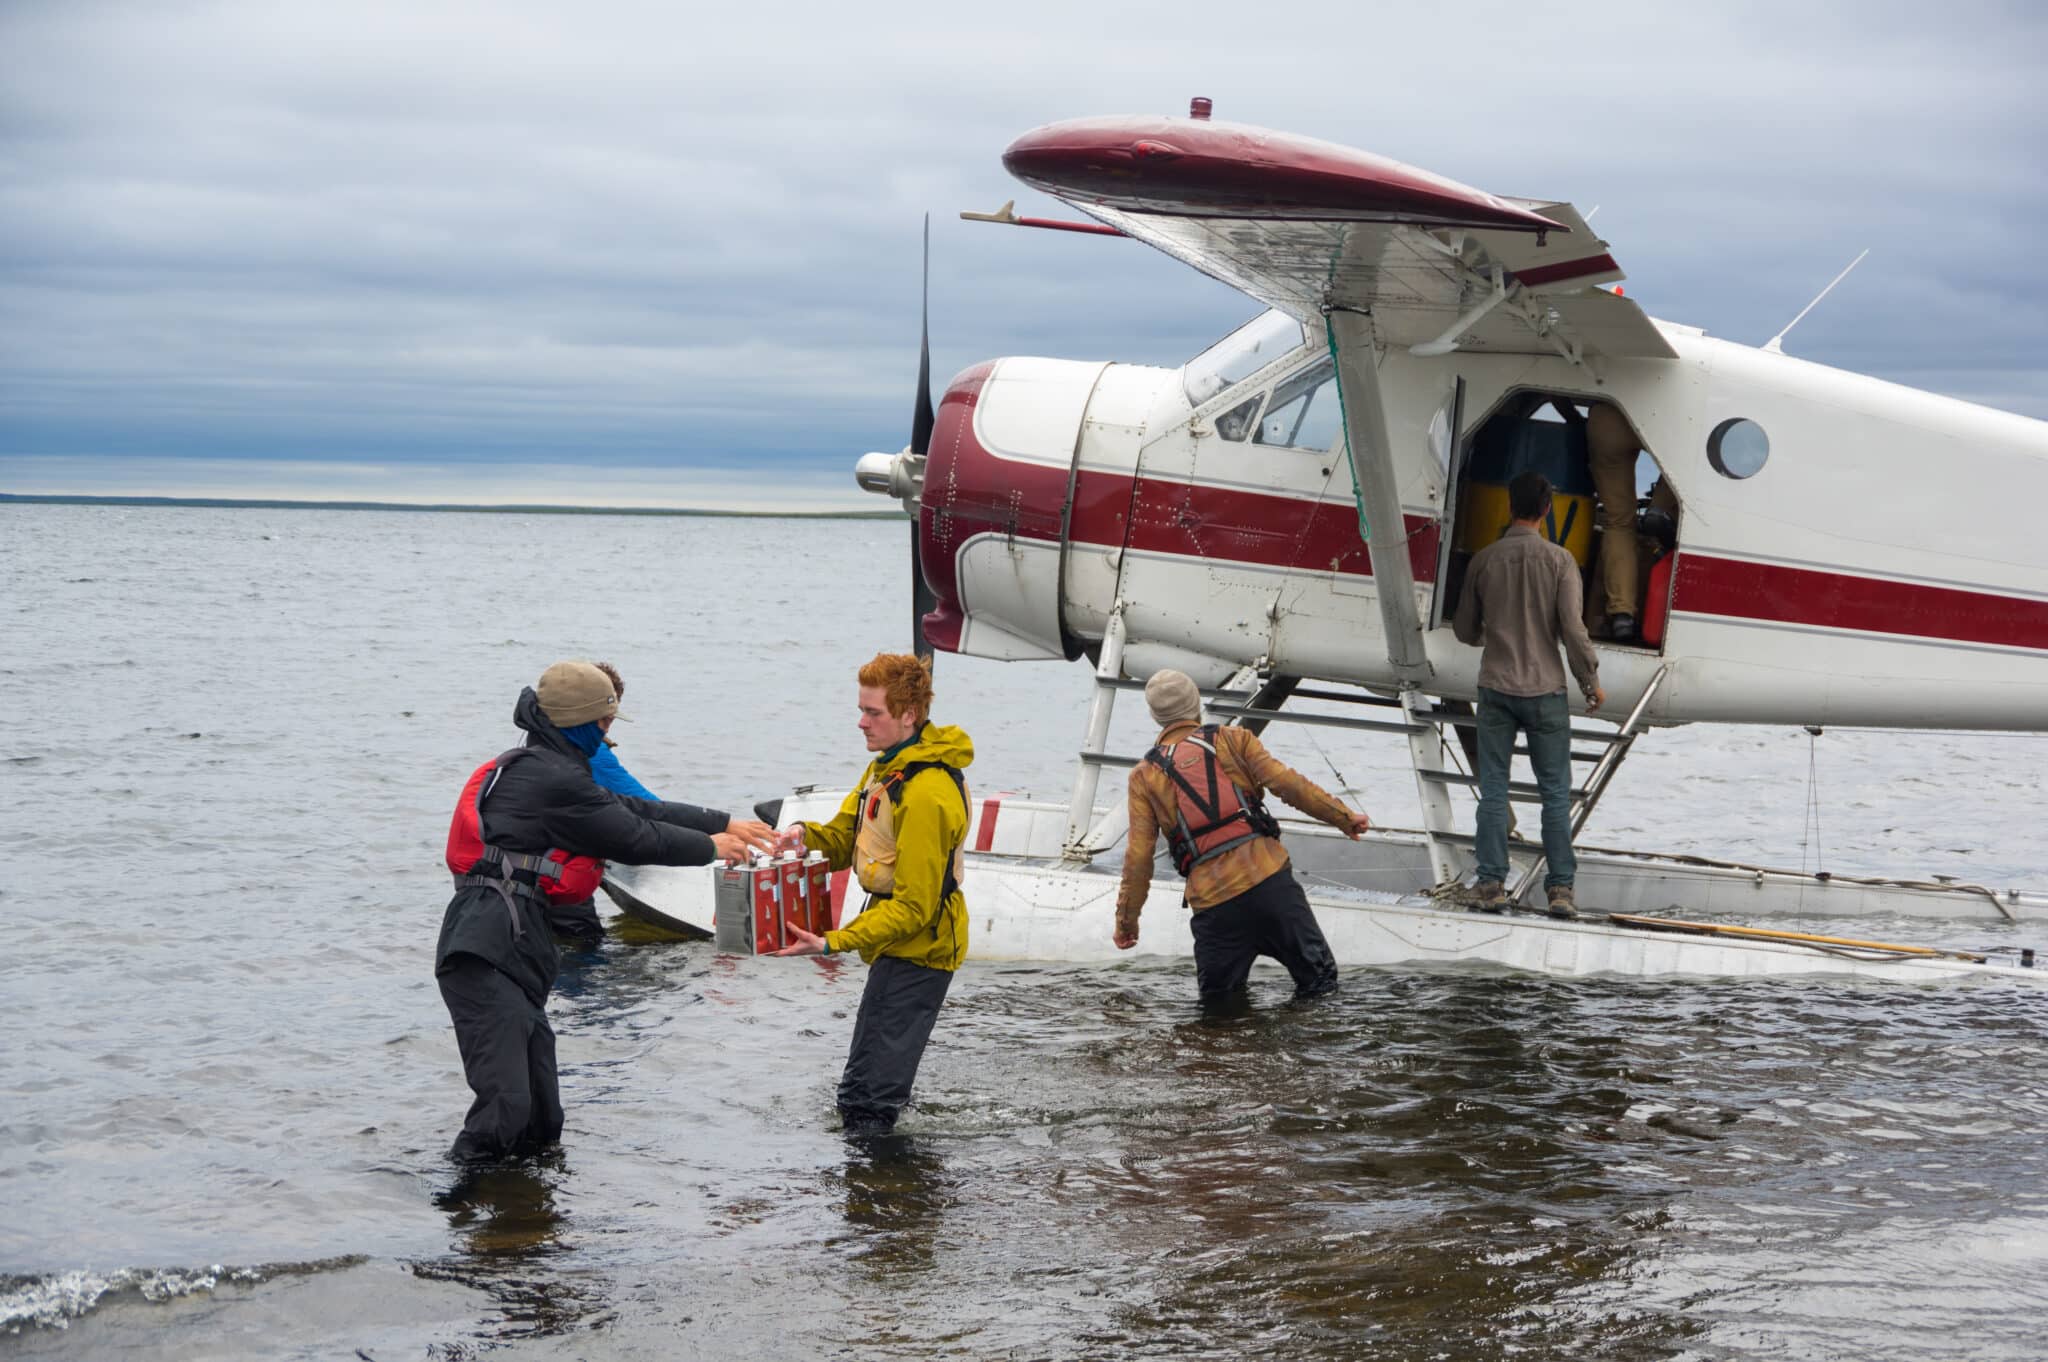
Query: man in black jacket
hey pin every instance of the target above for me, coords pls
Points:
(528, 817)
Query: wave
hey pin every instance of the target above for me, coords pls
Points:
(53, 1300)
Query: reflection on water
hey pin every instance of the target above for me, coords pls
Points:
(510, 1244)
(505, 1211)
(896, 1191)
(1452, 1175)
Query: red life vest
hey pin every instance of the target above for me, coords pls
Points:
(562, 878)
(1211, 814)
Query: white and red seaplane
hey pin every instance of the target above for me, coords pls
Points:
(1288, 515)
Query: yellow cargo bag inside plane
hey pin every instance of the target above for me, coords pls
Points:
(1522, 439)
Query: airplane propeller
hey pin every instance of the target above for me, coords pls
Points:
(923, 599)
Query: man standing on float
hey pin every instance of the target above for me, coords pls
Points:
(1523, 599)
(901, 832)
(1202, 784)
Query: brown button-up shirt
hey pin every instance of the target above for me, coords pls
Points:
(1153, 802)
(1522, 596)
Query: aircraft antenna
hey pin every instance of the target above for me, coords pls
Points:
(1776, 344)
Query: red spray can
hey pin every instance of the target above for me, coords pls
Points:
(818, 892)
(767, 907)
(789, 897)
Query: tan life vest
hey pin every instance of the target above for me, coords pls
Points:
(874, 832)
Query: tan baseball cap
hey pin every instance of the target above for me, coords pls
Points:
(573, 693)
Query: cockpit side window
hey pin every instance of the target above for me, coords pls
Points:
(1304, 412)
(1236, 423)
(1240, 354)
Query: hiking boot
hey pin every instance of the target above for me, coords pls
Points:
(1561, 905)
(1622, 628)
(1488, 896)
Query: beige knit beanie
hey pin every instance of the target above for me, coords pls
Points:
(1173, 698)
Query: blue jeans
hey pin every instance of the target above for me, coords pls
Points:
(1547, 719)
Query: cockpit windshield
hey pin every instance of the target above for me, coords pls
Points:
(1240, 354)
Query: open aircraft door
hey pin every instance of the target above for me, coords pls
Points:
(1447, 444)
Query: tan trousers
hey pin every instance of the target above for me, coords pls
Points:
(1614, 482)
(1611, 452)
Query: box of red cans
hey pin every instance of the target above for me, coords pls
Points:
(756, 903)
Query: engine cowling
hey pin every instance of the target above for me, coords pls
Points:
(992, 498)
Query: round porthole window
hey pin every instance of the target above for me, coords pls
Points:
(1738, 448)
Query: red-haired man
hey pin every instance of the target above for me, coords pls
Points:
(901, 831)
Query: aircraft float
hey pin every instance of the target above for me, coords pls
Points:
(1288, 516)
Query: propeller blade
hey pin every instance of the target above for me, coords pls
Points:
(921, 419)
(923, 599)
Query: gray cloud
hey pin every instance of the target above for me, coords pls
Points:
(630, 235)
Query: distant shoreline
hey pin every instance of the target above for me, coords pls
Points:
(282, 504)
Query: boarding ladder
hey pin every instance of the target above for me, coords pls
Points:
(1085, 836)
(1427, 724)
(1449, 849)
(1253, 701)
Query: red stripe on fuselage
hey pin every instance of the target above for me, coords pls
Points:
(985, 831)
(1236, 525)
(1731, 587)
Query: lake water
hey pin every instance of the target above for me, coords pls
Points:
(232, 741)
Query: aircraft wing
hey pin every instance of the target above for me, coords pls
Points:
(1302, 225)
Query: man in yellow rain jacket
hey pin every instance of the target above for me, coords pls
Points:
(901, 832)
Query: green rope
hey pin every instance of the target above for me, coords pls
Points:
(1357, 487)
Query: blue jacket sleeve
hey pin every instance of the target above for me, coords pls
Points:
(607, 772)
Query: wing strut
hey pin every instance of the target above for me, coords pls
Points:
(1381, 522)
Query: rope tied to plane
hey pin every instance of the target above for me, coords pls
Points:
(1844, 946)
(1810, 827)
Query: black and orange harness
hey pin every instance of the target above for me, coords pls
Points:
(1211, 814)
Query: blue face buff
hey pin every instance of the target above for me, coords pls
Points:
(585, 736)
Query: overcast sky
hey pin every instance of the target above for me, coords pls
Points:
(666, 252)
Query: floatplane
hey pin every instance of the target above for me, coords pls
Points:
(1288, 515)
